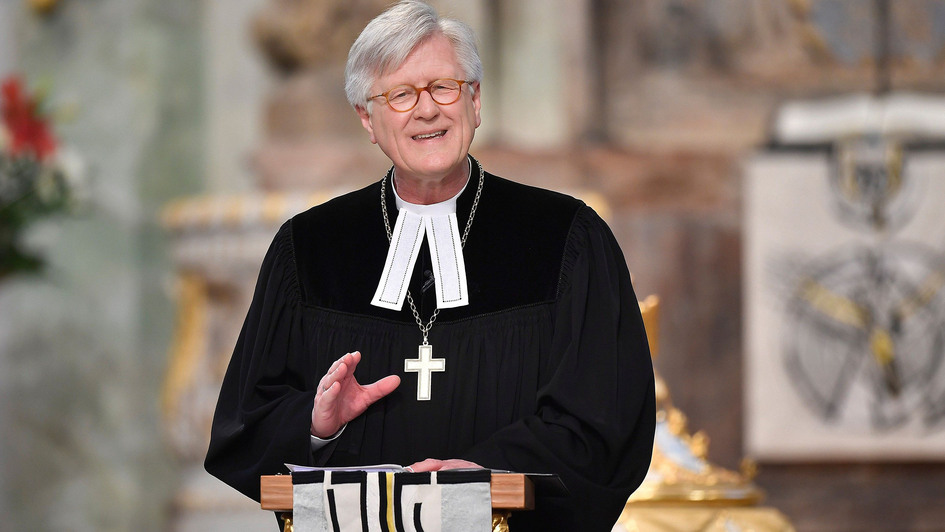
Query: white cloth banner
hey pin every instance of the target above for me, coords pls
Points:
(361, 501)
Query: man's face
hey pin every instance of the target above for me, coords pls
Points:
(429, 143)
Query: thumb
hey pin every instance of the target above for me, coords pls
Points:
(382, 387)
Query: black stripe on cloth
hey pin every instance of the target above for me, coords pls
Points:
(416, 517)
(412, 478)
(348, 477)
(364, 502)
(382, 501)
(333, 511)
(463, 477)
(308, 477)
(398, 508)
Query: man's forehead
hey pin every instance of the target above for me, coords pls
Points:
(433, 69)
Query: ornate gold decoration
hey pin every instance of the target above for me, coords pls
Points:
(649, 309)
(500, 520)
(679, 470)
(682, 490)
(702, 519)
(217, 212)
(286, 518)
(189, 341)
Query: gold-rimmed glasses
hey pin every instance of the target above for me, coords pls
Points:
(403, 98)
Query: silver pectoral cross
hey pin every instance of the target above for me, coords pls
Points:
(424, 366)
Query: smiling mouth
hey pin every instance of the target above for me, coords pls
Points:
(426, 136)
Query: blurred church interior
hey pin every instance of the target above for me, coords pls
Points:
(711, 134)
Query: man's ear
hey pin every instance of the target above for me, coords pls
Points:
(477, 103)
(366, 122)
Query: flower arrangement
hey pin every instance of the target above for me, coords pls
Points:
(33, 185)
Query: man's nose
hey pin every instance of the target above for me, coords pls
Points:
(426, 107)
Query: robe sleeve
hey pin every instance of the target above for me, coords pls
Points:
(263, 416)
(595, 416)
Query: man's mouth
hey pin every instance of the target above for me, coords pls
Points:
(426, 136)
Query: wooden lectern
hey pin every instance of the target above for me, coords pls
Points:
(510, 492)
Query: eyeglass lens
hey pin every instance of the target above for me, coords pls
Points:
(405, 97)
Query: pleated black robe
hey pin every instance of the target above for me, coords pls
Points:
(547, 368)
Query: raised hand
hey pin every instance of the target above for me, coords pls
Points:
(340, 398)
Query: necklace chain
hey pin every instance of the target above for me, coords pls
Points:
(425, 329)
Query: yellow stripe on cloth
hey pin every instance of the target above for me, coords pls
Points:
(390, 501)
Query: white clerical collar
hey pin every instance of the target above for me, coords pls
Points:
(438, 222)
(434, 209)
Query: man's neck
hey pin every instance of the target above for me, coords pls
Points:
(428, 192)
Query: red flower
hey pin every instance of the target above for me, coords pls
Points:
(28, 129)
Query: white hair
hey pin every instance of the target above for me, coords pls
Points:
(386, 41)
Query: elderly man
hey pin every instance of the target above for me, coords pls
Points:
(479, 322)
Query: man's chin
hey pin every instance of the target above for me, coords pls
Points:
(435, 166)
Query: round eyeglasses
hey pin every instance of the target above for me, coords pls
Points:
(403, 98)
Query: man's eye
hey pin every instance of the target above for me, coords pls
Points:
(400, 94)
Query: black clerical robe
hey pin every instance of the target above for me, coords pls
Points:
(547, 368)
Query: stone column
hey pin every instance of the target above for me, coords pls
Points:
(235, 88)
(478, 14)
(545, 69)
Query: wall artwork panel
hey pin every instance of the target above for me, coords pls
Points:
(845, 305)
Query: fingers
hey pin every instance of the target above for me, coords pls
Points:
(339, 369)
(346, 359)
(432, 464)
(326, 418)
(329, 394)
(456, 463)
(349, 359)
